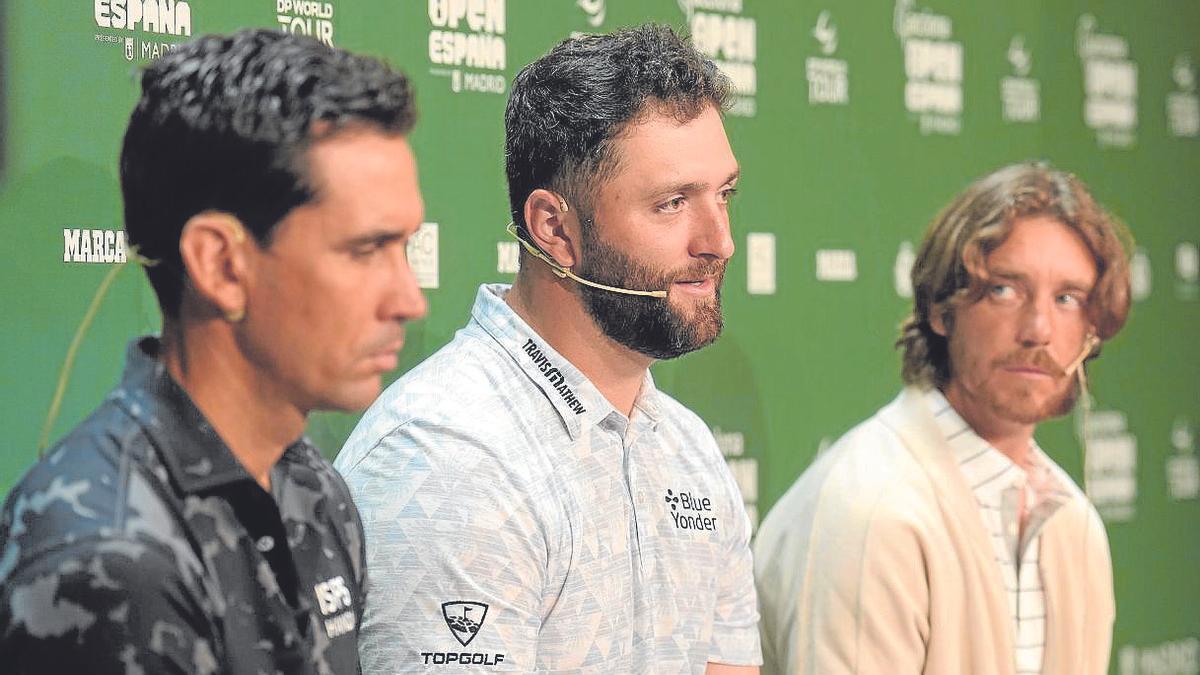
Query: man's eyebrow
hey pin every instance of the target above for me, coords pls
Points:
(1011, 275)
(377, 236)
(696, 186)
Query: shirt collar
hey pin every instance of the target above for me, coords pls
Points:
(987, 470)
(572, 395)
(192, 452)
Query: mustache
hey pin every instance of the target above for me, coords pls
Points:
(702, 270)
(1032, 358)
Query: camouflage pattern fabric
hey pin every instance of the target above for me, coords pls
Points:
(141, 545)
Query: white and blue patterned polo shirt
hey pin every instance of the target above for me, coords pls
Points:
(516, 521)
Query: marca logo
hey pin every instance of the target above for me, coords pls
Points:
(136, 18)
(1020, 94)
(467, 44)
(1109, 84)
(554, 375)
(93, 246)
(933, 65)
(306, 17)
(688, 511)
(828, 78)
(731, 41)
(465, 619)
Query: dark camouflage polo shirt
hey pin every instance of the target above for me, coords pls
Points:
(140, 545)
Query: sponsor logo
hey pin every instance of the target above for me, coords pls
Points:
(1183, 106)
(1183, 468)
(422, 251)
(720, 32)
(464, 619)
(688, 511)
(1140, 275)
(336, 605)
(1020, 94)
(306, 17)
(1110, 466)
(760, 263)
(837, 265)
(595, 11)
(828, 78)
(1187, 271)
(933, 67)
(1176, 657)
(508, 257)
(902, 269)
(467, 44)
(557, 380)
(141, 28)
(93, 246)
(1109, 84)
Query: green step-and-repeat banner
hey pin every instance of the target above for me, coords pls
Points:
(854, 124)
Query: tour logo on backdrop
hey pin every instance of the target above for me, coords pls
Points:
(720, 31)
(306, 17)
(467, 44)
(828, 76)
(1183, 105)
(142, 29)
(1110, 79)
(1020, 93)
(933, 68)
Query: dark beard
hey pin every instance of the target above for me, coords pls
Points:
(647, 325)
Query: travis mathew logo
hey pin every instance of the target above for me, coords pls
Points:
(687, 511)
(464, 619)
(554, 375)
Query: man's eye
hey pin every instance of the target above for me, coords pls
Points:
(1070, 300)
(672, 205)
(1001, 291)
(727, 195)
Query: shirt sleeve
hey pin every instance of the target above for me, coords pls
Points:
(103, 606)
(735, 639)
(456, 555)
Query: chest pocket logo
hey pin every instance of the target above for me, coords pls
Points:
(335, 602)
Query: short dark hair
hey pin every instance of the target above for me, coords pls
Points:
(949, 268)
(566, 108)
(224, 123)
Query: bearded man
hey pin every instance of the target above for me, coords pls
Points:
(937, 537)
(531, 501)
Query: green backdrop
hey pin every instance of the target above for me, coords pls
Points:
(853, 124)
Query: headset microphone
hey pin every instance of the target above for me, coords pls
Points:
(563, 272)
(1089, 343)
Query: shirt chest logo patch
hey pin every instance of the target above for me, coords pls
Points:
(464, 619)
(691, 511)
(336, 604)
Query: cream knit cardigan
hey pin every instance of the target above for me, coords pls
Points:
(877, 561)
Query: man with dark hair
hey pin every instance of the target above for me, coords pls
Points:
(937, 537)
(531, 501)
(187, 525)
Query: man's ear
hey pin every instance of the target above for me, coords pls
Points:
(212, 246)
(551, 227)
(937, 319)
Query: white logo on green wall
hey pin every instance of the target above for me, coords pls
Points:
(306, 17)
(1183, 106)
(828, 78)
(1183, 467)
(1020, 94)
(720, 32)
(1110, 466)
(467, 44)
(1110, 79)
(933, 67)
(140, 28)
(595, 11)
